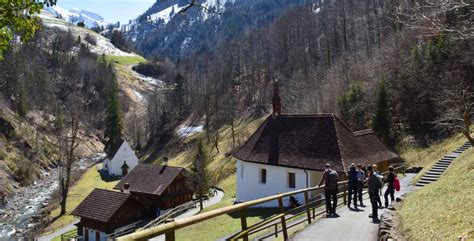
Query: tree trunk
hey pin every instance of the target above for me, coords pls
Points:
(469, 137)
(200, 204)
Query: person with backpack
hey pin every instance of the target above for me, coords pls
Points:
(330, 180)
(374, 185)
(352, 185)
(390, 187)
(360, 183)
(380, 177)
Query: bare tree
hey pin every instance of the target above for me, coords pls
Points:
(68, 141)
(437, 17)
(458, 111)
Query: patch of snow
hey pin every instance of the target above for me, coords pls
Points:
(210, 6)
(75, 16)
(185, 131)
(138, 95)
(166, 14)
(151, 80)
(315, 9)
(185, 43)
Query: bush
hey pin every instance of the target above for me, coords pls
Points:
(3, 155)
(91, 39)
(149, 69)
(24, 170)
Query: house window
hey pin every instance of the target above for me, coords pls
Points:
(291, 180)
(242, 171)
(263, 175)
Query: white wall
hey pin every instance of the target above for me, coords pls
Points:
(92, 235)
(125, 153)
(249, 186)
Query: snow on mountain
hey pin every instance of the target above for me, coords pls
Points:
(166, 14)
(75, 16)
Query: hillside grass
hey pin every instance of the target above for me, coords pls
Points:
(223, 167)
(125, 60)
(428, 156)
(90, 180)
(442, 210)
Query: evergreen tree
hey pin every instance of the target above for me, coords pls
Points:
(200, 178)
(381, 123)
(22, 110)
(113, 119)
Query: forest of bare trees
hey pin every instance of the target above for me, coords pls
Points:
(329, 57)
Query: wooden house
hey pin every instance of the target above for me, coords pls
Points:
(103, 211)
(163, 186)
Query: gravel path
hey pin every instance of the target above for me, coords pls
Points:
(350, 225)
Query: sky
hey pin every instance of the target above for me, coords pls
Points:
(111, 10)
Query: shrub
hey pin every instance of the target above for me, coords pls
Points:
(3, 155)
(91, 39)
(149, 69)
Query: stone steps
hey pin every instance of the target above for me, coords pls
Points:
(438, 169)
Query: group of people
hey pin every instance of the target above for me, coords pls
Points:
(358, 177)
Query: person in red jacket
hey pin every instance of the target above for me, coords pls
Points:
(390, 188)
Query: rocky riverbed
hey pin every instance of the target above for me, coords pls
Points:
(24, 210)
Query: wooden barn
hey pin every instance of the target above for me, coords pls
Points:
(163, 186)
(104, 211)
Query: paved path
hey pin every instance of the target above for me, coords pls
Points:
(58, 232)
(350, 225)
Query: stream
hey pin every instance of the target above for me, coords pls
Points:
(23, 210)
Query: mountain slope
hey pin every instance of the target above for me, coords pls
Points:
(160, 31)
(75, 16)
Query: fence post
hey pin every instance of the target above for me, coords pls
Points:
(308, 211)
(283, 220)
(276, 230)
(169, 236)
(344, 194)
(243, 223)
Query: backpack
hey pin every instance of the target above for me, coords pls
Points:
(331, 180)
(396, 184)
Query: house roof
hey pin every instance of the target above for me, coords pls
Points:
(150, 179)
(112, 150)
(101, 205)
(311, 141)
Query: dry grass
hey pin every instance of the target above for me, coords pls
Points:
(442, 210)
(90, 180)
(426, 157)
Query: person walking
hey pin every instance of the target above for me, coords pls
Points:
(374, 185)
(380, 177)
(360, 183)
(330, 179)
(390, 188)
(352, 185)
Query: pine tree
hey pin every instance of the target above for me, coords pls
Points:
(113, 119)
(200, 178)
(382, 123)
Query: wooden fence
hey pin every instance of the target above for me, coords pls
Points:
(308, 209)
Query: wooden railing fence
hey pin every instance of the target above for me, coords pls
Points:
(304, 213)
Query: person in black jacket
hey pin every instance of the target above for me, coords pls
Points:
(352, 185)
(374, 184)
(390, 188)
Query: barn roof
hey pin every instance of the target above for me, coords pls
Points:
(311, 141)
(150, 179)
(101, 205)
(112, 150)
